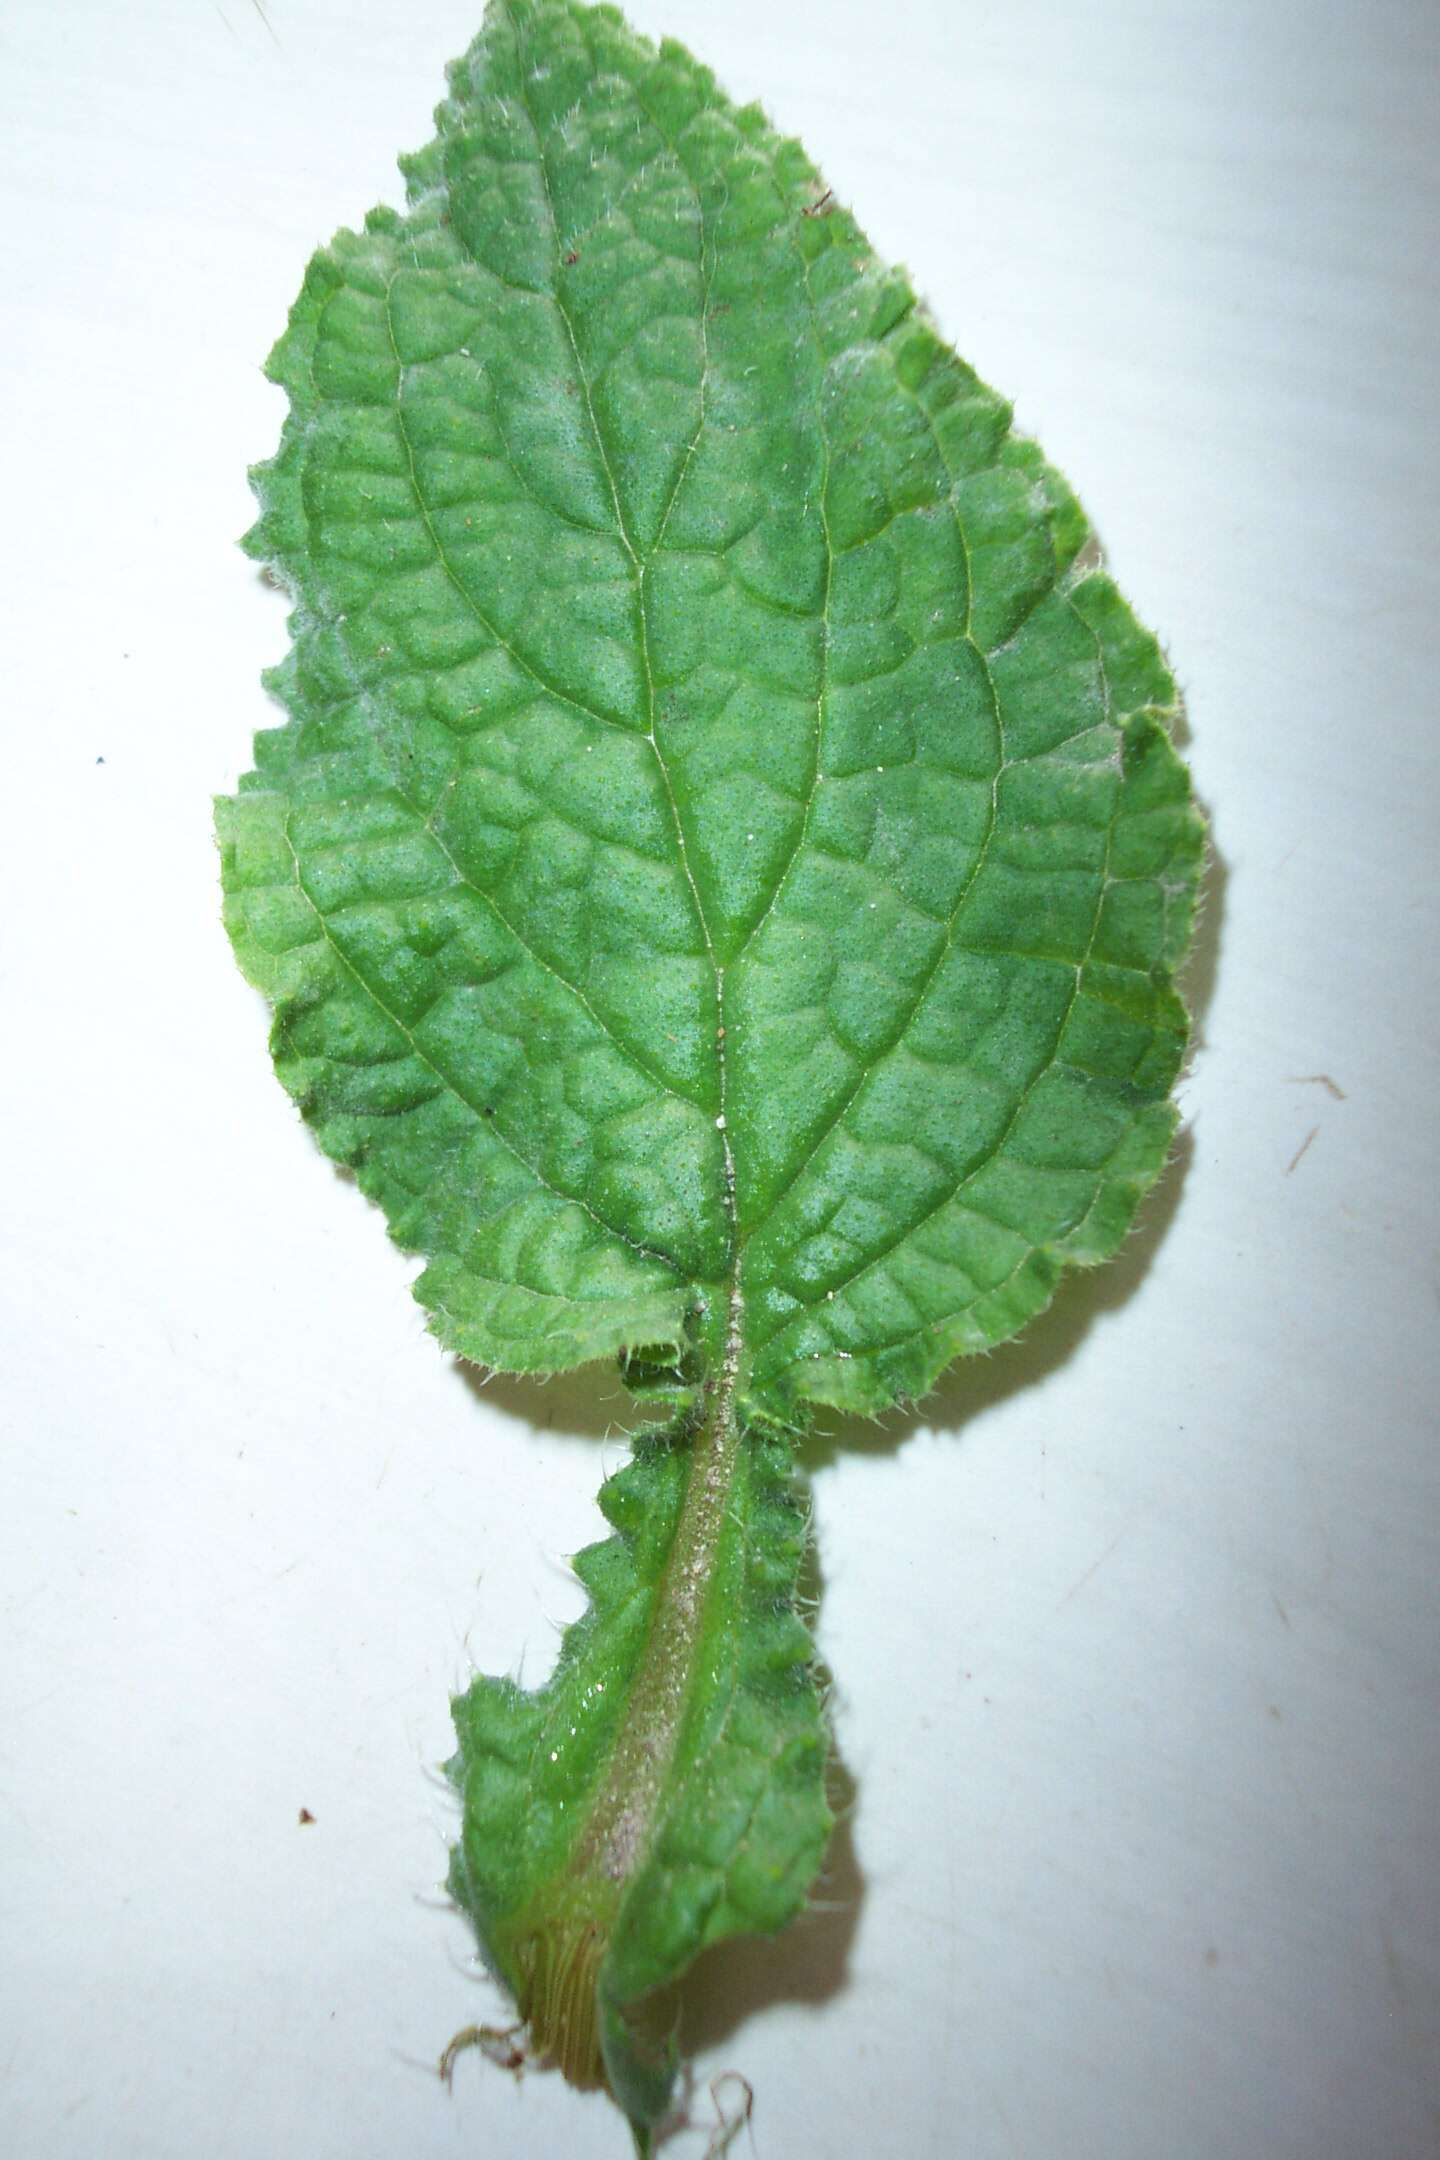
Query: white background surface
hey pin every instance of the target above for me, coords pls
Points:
(1135, 1637)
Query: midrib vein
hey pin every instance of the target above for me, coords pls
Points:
(625, 1812)
(620, 1826)
(638, 568)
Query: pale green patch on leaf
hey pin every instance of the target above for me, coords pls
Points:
(719, 885)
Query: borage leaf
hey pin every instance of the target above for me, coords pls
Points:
(719, 885)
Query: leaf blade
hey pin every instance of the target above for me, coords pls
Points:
(834, 745)
(720, 886)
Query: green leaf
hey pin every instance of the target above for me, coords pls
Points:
(719, 884)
